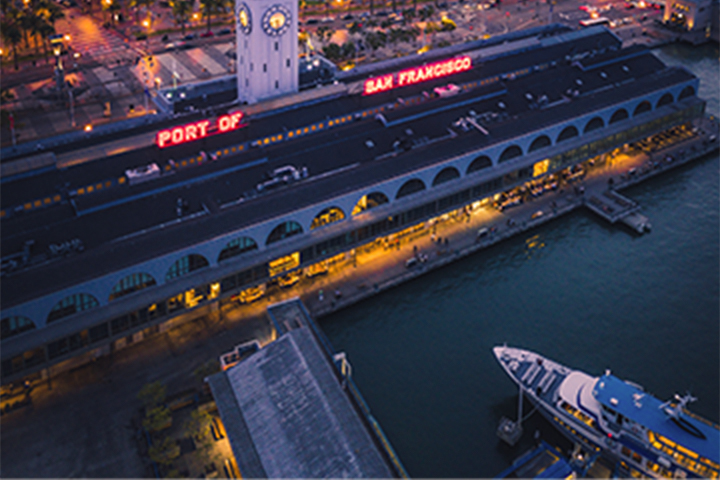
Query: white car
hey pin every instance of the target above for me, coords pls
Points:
(142, 174)
(448, 90)
(286, 173)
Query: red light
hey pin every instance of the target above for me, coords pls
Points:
(197, 130)
(378, 84)
(229, 122)
(415, 75)
(609, 435)
(185, 133)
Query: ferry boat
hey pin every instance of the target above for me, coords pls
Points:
(617, 418)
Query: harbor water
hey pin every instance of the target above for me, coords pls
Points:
(587, 294)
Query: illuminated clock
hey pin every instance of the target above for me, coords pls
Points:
(244, 18)
(276, 20)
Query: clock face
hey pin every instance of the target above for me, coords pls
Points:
(244, 18)
(276, 20)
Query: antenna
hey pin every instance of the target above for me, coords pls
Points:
(674, 412)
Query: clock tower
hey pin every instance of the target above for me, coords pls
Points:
(267, 48)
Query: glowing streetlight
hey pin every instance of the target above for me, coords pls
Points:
(88, 127)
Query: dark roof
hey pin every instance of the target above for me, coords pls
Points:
(287, 416)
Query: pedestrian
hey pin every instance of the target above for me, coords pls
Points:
(432, 237)
(321, 297)
(447, 242)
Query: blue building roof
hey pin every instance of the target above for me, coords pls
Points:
(644, 409)
(544, 461)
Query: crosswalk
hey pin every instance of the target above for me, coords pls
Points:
(89, 39)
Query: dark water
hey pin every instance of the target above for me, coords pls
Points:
(582, 292)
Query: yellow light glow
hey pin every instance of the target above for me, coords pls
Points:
(540, 168)
(277, 20)
(284, 264)
(593, 15)
(67, 38)
(88, 127)
(146, 23)
(424, 49)
(196, 16)
(243, 17)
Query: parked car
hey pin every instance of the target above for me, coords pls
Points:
(207, 34)
(142, 174)
(448, 90)
(224, 31)
(190, 36)
(312, 21)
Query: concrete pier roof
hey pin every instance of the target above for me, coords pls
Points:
(287, 416)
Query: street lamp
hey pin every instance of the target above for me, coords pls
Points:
(146, 24)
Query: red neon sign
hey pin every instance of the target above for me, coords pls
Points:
(415, 75)
(197, 130)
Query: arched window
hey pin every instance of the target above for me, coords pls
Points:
(445, 175)
(540, 142)
(71, 305)
(186, 265)
(14, 325)
(665, 100)
(594, 124)
(371, 200)
(131, 283)
(510, 152)
(642, 107)
(483, 161)
(688, 91)
(326, 217)
(236, 247)
(283, 231)
(618, 116)
(567, 133)
(411, 186)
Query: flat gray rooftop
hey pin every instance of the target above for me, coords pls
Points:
(287, 416)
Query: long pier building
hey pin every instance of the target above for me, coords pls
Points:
(104, 264)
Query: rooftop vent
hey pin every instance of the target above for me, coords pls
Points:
(603, 74)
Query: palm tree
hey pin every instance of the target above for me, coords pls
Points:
(11, 34)
(45, 31)
(35, 26)
(212, 7)
(50, 11)
(181, 9)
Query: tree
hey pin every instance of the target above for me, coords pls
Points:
(158, 418)
(137, 5)
(164, 452)
(332, 52)
(198, 427)
(181, 10)
(11, 34)
(348, 49)
(152, 394)
(45, 31)
(212, 7)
